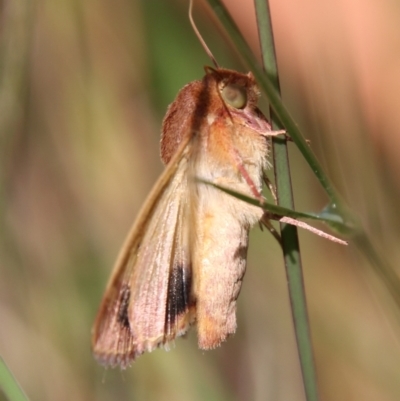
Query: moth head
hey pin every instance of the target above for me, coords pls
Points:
(238, 91)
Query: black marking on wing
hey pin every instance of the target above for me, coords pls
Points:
(179, 288)
(122, 316)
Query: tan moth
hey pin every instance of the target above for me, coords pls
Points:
(185, 257)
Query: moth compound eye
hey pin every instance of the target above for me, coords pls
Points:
(235, 96)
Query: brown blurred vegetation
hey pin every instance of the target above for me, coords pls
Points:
(84, 86)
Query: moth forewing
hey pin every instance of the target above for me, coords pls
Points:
(138, 299)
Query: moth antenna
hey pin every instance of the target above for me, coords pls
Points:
(196, 31)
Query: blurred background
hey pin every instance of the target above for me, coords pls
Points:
(84, 86)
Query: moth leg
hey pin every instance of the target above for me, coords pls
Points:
(265, 220)
(268, 134)
(287, 137)
(301, 224)
(240, 166)
(271, 188)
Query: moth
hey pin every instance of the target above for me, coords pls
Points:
(184, 259)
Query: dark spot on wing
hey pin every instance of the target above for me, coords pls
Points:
(179, 287)
(122, 316)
